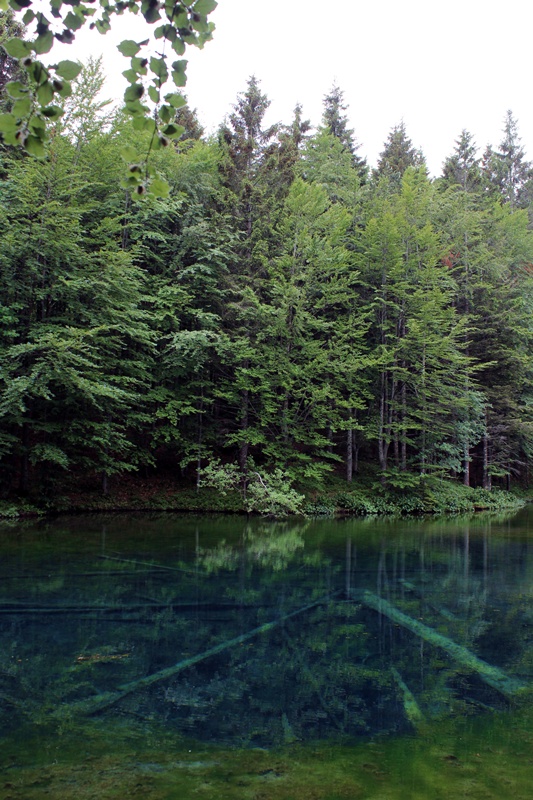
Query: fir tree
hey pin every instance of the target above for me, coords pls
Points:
(187, 117)
(335, 122)
(463, 168)
(397, 155)
(257, 180)
(506, 170)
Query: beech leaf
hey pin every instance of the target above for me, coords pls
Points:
(8, 123)
(158, 188)
(35, 147)
(129, 154)
(128, 47)
(176, 100)
(43, 44)
(68, 70)
(204, 6)
(16, 48)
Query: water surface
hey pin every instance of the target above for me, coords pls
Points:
(177, 656)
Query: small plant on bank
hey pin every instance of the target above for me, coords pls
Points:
(269, 493)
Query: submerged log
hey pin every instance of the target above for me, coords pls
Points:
(411, 707)
(93, 705)
(150, 565)
(26, 608)
(493, 676)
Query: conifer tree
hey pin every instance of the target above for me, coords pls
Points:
(417, 334)
(397, 155)
(257, 178)
(506, 170)
(299, 128)
(187, 117)
(335, 122)
(462, 168)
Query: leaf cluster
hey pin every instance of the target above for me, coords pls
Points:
(37, 101)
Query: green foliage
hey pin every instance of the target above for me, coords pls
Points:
(264, 492)
(27, 123)
(357, 502)
(320, 506)
(397, 156)
(447, 497)
(262, 304)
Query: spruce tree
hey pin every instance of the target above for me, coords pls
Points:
(397, 155)
(506, 170)
(335, 122)
(257, 177)
(462, 168)
(187, 117)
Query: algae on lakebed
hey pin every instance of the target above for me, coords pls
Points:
(315, 708)
(490, 756)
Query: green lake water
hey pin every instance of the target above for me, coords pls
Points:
(171, 657)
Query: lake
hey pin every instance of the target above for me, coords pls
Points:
(167, 656)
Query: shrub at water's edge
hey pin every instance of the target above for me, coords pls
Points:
(271, 493)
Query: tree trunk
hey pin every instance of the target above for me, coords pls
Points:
(24, 460)
(404, 416)
(244, 445)
(466, 467)
(349, 455)
(493, 676)
(383, 445)
(199, 441)
(487, 481)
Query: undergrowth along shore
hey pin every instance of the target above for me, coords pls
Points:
(433, 496)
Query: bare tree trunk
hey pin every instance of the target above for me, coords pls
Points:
(487, 482)
(24, 459)
(404, 415)
(396, 443)
(244, 445)
(383, 445)
(466, 465)
(199, 441)
(349, 455)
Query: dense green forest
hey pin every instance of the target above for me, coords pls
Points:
(285, 314)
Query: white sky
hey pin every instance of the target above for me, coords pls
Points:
(439, 67)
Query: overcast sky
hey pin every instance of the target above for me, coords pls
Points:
(439, 67)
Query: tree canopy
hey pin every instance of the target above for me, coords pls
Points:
(276, 317)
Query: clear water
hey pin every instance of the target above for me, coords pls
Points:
(180, 656)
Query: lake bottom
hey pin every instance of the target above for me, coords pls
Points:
(489, 756)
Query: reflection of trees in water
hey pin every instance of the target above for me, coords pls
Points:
(340, 668)
(271, 545)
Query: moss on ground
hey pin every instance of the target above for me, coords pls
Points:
(487, 757)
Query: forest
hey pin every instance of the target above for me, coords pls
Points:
(285, 314)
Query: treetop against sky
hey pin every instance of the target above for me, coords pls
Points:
(433, 68)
